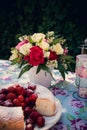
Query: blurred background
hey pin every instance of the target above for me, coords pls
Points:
(67, 18)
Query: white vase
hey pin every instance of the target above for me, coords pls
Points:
(42, 78)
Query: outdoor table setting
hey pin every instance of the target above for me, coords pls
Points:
(74, 108)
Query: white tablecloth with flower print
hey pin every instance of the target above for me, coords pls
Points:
(74, 115)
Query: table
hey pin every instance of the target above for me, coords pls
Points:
(74, 114)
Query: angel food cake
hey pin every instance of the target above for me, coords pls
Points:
(11, 118)
(45, 102)
(25, 107)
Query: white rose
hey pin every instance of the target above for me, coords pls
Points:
(58, 49)
(52, 63)
(36, 37)
(46, 54)
(22, 38)
(44, 45)
(14, 55)
(51, 33)
(24, 49)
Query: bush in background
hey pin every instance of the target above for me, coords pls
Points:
(25, 16)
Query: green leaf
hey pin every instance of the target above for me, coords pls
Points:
(62, 70)
(15, 61)
(81, 110)
(43, 67)
(24, 69)
(22, 63)
(60, 40)
(30, 40)
(70, 117)
(68, 58)
(38, 69)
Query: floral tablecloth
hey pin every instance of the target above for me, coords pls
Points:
(74, 114)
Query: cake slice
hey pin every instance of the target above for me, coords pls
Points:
(11, 118)
(45, 103)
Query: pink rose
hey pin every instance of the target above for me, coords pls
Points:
(35, 57)
(65, 51)
(21, 44)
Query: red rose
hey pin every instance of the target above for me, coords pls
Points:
(35, 56)
(53, 56)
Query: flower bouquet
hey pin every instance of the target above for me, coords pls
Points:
(43, 51)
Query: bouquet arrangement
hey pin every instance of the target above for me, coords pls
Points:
(43, 51)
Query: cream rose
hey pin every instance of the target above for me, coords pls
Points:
(36, 37)
(44, 45)
(25, 49)
(58, 49)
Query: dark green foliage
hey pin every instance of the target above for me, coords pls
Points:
(29, 16)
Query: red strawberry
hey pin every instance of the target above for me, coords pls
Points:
(32, 87)
(17, 85)
(29, 121)
(27, 111)
(29, 127)
(16, 102)
(23, 105)
(34, 115)
(2, 97)
(27, 100)
(10, 96)
(20, 90)
(11, 89)
(28, 92)
(21, 98)
(33, 97)
(4, 91)
(40, 121)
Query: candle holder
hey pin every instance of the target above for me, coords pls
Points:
(84, 47)
(81, 76)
